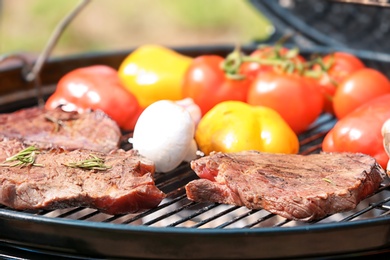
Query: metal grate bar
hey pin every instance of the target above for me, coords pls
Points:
(192, 216)
(361, 212)
(70, 212)
(113, 218)
(171, 213)
(43, 212)
(260, 220)
(311, 142)
(178, 192)
(90, 215)
(384, 207)
(387, 213)
(282, 223)
(234, 220)
(312, 149)
(181, 172)
(145, 213)
(216, 216)
(313, 138)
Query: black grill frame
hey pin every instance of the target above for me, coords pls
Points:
(176, 228)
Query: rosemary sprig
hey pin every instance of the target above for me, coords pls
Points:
(23, 158)
(92, 163)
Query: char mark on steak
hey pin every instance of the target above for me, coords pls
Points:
(46, 129)
(126, 187)
(298, 187)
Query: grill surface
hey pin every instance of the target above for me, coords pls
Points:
(179, 228)
(177, 211)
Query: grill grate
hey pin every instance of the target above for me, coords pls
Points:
(177, 211)
(182, 229)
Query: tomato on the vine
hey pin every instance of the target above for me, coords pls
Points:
(266, 58)
(96, 87)
(360, 130)
(296, 98)
(358, 88)
(334, 68)
(208, 84)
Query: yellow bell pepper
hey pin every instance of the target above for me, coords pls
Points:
(153, 72)
(233, 126)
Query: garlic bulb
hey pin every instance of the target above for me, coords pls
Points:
(164, 133)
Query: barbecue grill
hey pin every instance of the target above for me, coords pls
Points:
(179, 228)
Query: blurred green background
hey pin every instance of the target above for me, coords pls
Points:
(26, 25)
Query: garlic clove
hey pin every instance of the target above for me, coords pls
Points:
(192, 152)
(164, 133)
(192, 108)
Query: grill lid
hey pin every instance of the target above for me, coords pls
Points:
(330, 23)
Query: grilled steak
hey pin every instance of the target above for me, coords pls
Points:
(58, 129)
(299, 187)
(127, 186)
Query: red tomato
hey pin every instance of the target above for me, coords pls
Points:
(297, 99)
(358, 88)
(96, 87)
(338, 66)
(271, 55)
(360, 130)
(206, 83)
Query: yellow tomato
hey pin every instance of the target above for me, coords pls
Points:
(153, 72)
(234, 126)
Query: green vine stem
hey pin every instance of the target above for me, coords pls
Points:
(285, 62)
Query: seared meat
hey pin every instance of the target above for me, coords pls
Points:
(58, 129)
(299, 187)
(126, 186)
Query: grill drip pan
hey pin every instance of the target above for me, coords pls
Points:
(179, 228)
